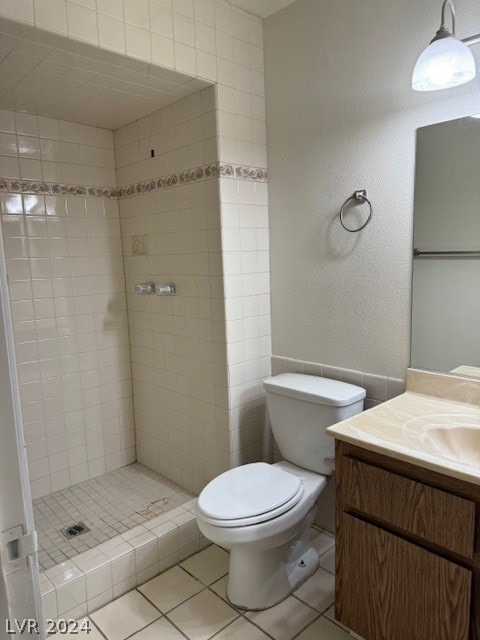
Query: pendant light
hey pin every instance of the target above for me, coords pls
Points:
(447, 62)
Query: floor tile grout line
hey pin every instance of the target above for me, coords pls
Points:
(239, 610)
(321, 612)
(240, 613)
(97, 627)
(166, 615)
(336, 623)
(142, 628)
(223, 628)
(207, 586)
(306, 626)
(137, 630)
(243, 612)
(269, 635)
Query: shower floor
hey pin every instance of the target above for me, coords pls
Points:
(108, 505)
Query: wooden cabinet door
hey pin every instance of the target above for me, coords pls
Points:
(390, 589)
(436, 516)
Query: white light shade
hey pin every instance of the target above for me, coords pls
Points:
(445, 63)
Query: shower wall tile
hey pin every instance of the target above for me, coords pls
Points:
(67, 292)
(40, 148)
(199, 358)
(246, 267)
(178, 137)
(378, 388)
(175, 341)
(215, 42)
(221, 316)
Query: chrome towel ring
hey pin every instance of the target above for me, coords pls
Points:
(361, 197)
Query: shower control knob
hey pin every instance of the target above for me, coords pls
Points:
(165, 289)
(145, 288)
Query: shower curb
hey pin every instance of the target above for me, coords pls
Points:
(79, 586)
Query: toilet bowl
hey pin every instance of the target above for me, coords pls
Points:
(270, 550)
(262, 513)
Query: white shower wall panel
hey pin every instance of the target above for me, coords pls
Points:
(61, 230)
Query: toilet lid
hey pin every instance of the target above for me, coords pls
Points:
(253, 492)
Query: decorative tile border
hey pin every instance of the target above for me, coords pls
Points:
(55, 188)
(216, 170)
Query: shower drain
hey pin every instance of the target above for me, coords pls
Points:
(74, 530)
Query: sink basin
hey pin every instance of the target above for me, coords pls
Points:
(460, 443)
(455, 437)
(434, 433)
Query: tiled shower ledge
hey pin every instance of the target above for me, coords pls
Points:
(109, 505)
(94, 578)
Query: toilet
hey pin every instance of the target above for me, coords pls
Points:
(262, 512)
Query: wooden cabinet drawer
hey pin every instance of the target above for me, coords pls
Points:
(430, 514)
(390, 589)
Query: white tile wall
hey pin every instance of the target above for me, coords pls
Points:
(199, 358)
(55, 77)
(175, 342)
(378, 388)
(41, 148)
(182, 136)
(247, 308)
(210, 40)
(67, 291)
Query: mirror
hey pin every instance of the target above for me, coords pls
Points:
(446, 261)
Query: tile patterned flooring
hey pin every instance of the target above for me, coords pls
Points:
(109, 505)
(189, 602)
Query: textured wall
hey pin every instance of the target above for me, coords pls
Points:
(341, 116)
(67, 293)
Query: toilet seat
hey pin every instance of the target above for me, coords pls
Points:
(250, 494)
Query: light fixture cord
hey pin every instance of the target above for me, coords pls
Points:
(450, 4)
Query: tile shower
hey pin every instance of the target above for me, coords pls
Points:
(67, 289)
(86, 345)
(76, 203)
(172, 338)
(131, 404)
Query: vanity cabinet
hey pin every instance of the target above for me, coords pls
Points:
(407, 560)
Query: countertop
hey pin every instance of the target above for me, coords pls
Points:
(437, 433)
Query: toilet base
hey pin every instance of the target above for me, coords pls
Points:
(261, 578)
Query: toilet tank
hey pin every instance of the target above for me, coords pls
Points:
(301, 407)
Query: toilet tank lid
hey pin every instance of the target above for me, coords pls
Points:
(324, 391)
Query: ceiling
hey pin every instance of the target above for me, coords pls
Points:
(60, 78)
(262, 8)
